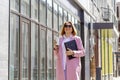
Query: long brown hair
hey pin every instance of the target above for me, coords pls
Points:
(74, 32)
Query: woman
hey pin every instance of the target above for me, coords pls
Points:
(68, 69)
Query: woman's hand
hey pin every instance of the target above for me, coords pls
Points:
(69, 52)
(56, 47)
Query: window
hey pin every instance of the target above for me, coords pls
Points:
(34, 9)
(65, 16)
(55, 16)
(73, 20)
(60, 17)
(56, 35)
(43, 12)
(14, 4)
(43, 54)
(25, 50)
(14, 47)
(49, 56)
(25, 7)
(69, 17)
(49, 13)
(34, 51)
(77, 25)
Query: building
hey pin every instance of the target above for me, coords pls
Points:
(105, 40)
(117, 53)
(28, 28)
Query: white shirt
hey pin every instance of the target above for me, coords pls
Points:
(66, 39)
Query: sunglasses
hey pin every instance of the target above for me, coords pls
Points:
(69, 26)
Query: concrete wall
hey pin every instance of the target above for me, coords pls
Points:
(86, 41)
(4, 19)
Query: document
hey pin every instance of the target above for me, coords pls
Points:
(71, 45)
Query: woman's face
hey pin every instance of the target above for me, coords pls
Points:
(68, 28)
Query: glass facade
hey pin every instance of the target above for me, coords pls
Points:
(14, 47)
(43, 54)
(55, 16)
(34, 52)
(34, 9)
(25, 50)
(34, 24)
(25, 7)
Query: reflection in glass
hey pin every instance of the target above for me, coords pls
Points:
(14, 47)
(49, 13)
(43, 12)
(60, 17)
(69, 17)
(77, 27)
(49, 55)
(55, 16)
(34, 52)
(14, 4)
(55, 37)
(25, 50)
(42, 55)
(73, 20)
(25, 7)
(34, 9)
(65, 16)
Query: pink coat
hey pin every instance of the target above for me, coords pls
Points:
(73, 69)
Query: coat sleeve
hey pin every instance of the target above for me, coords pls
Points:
(80, 52)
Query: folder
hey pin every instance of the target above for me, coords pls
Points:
(71, 45)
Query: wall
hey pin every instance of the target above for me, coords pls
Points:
(4, 13)
(86, 41)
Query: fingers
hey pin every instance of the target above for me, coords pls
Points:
(69, 49)
(56, 47)
(70, 52)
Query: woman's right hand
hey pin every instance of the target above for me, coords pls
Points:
(56, 47)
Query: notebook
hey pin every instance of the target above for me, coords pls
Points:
(71, 45)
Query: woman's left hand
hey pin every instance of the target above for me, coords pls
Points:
(69, 52)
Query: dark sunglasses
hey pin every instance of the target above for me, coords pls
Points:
(68, 26)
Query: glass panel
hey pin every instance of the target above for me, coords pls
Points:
(76, 25)
(73, 19)
(14, 4)
(60, 17)
(55, 17)
(14, 47)
(42, 55)
(65, 16)
(25, 50)
(56, 36)
(43, 12)
(34, 9)
(34, 51)
(69, 17)
(49, 55)
(49, 13)
(25, 7)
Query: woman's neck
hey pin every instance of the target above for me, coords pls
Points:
(67, 35)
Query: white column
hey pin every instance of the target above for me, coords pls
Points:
(4, 19)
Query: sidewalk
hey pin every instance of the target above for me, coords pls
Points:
(116, 78)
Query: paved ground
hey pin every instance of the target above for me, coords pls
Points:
(116, 78)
